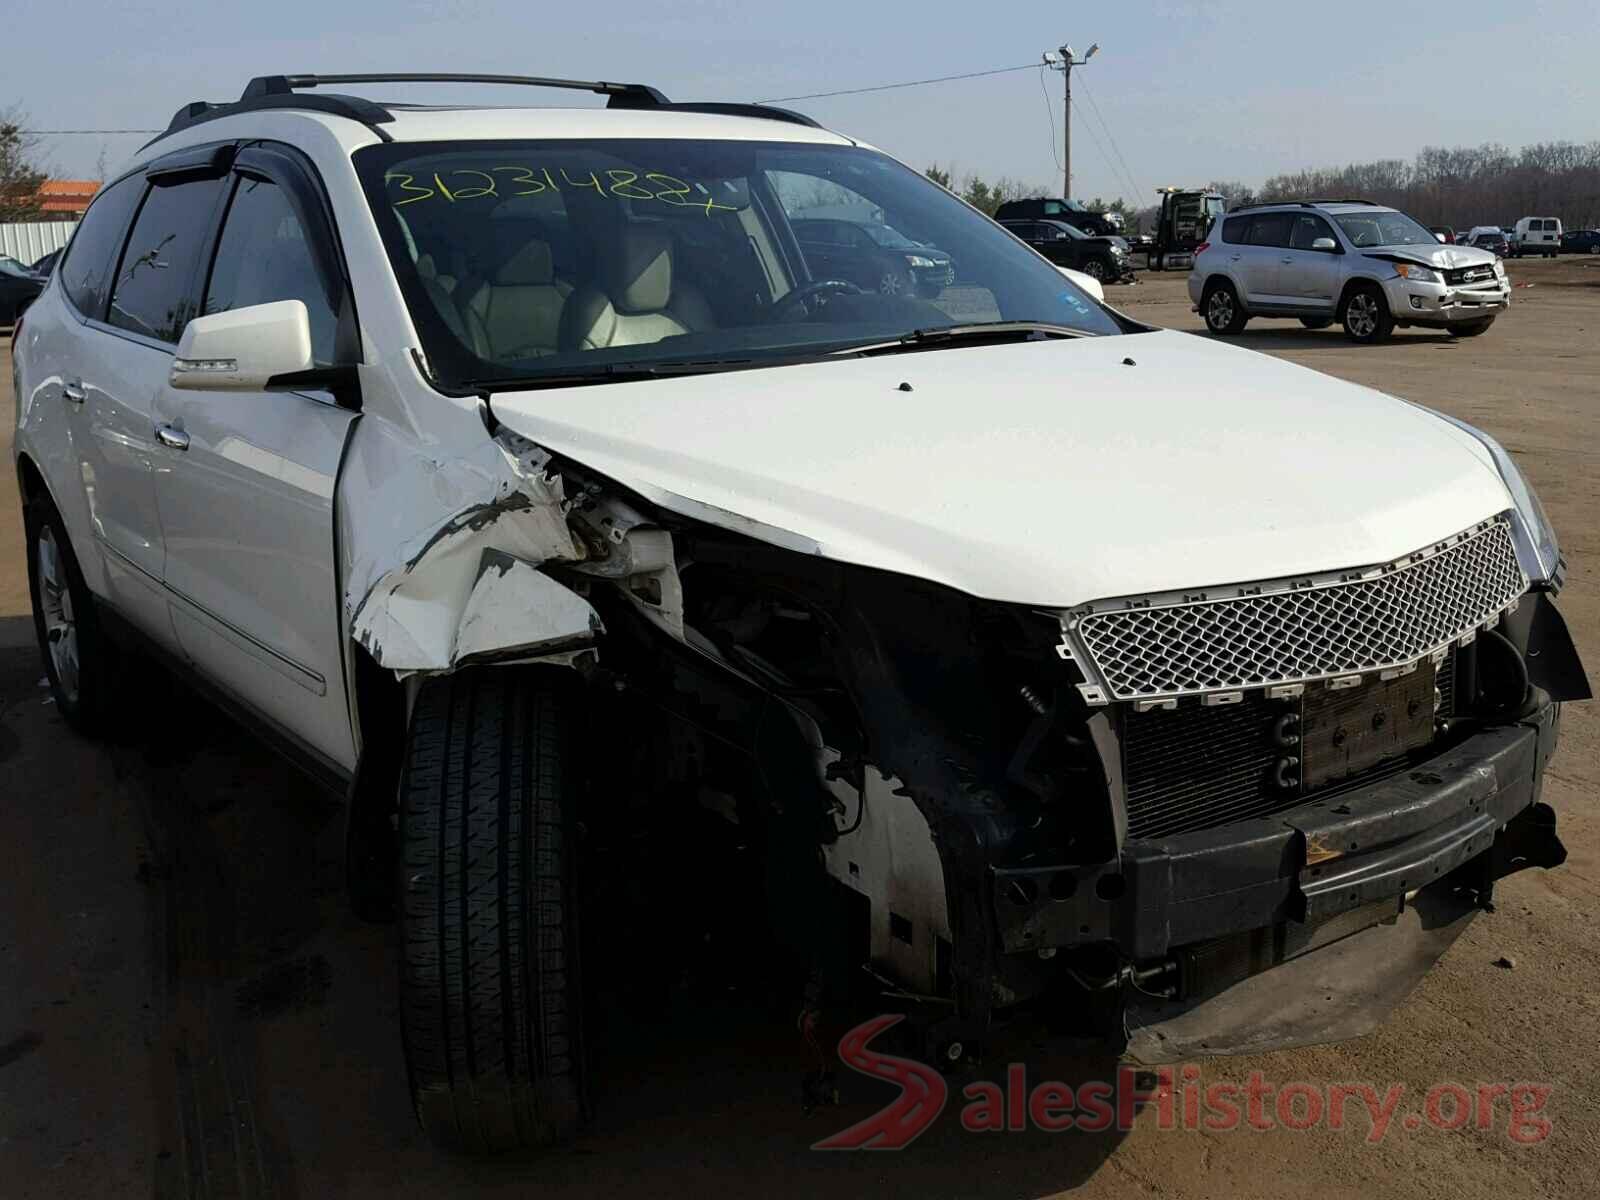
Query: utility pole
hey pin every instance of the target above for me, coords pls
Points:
(1063, 59)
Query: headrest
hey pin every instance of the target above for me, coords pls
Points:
(529, 266)
(639, 271)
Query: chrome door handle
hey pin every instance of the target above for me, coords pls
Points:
(167, 435)
(75, 392)
(1286, 260)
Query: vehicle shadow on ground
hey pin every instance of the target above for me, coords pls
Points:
(274, 1031)
(1278, 340)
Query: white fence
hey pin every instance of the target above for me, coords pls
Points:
(29, 241)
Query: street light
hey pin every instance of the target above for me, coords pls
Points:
(1063, 60)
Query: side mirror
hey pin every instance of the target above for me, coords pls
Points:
(1440, 236)
(245, 349)
(1326, 245)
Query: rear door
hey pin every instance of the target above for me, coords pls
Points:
(1261, 258)
(245, 490)
(1310, 278)
(118, 366)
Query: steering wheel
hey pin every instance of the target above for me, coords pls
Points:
(810, 298)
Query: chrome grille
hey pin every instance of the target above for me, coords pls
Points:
(1478, 274)
(1385, 618)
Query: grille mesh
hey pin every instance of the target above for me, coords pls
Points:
(1307, 633)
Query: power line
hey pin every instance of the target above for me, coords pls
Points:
(888, 87)
(1050, 111)
(1104, 157)
(1127, 172)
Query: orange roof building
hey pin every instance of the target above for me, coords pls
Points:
(66, 199)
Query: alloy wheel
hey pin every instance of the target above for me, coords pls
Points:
(891, 283)
(55, 602)
(1219, 312)
(1361, 315)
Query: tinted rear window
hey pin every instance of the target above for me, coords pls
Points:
(1270, 229)
(92, 257)
(155, 283)
(1234, 229)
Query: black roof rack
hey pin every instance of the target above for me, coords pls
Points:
(280, 91)
(1298, 203)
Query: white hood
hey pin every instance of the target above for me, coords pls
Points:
(1048, 473)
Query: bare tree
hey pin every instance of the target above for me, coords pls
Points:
(1466, 185)
(20, 173)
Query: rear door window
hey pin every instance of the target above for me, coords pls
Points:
(1235, 229)
(92, 257)
(155, 287)
(1270, 229)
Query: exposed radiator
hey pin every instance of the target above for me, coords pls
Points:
(1197, 767)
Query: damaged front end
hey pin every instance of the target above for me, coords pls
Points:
(1184, 824)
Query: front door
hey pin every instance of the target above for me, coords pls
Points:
(246, 490)
(1308, 277)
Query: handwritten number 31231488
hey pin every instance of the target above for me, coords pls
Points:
(469, 184)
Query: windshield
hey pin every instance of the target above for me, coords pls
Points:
(553, 258)
(1383, 229)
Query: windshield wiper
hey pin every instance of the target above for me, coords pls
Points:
(613, 373)
(941, 336)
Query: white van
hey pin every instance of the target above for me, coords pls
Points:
(1536, 235)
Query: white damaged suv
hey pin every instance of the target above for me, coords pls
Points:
(518, 474)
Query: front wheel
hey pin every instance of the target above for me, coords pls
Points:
(1366, 316)
(893, 282)
(489, 995)
(1097, 269)
(1471, 328)
(1223, 312)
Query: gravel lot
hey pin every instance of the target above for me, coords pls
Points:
(189, 1009)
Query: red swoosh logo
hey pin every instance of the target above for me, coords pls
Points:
(922, 1093)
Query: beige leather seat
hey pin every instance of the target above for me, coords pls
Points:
(517, 312)
(637, 299)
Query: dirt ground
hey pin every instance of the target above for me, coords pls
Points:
(187, 1008)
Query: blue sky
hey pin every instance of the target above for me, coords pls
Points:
(1187, 91)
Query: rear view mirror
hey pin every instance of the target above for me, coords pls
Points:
(245, 349)
(1326, 245)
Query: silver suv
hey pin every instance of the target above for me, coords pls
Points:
(1368, 267)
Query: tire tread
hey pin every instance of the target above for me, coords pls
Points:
(488, 994)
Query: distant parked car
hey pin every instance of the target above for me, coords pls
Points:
(878, 258)
(1103, 258)
(1444, 233)
(1536, 235)
(1101, 223)
(1492, 240)
(18, 287)
(1581, 241)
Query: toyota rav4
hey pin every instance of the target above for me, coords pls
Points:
(520, 474)
(1367, 267)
